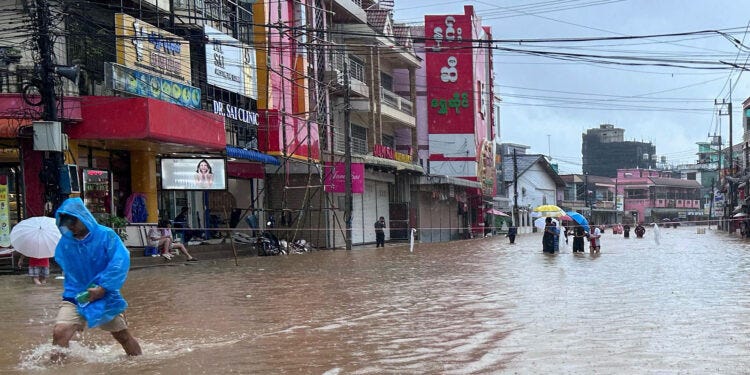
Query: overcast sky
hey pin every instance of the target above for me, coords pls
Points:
(670, 104)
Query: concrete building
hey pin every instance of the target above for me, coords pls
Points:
(605, 150)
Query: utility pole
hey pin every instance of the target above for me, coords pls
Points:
(515, 189)
(347, 157)
(53, 160)
(729, 198)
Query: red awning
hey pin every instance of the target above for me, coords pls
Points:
(116, 118)
(494, 211)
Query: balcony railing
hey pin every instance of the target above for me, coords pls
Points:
(356, 69)
(392, 99)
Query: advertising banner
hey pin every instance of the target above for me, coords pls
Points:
(450, 86)
(147, 48)
(193, 174)
(230, 64)
(142, 84)
(335, 182)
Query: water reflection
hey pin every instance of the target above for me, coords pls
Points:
(480, 306)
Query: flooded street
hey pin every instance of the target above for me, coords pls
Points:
(478, 306)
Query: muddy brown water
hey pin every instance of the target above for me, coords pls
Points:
(466, 307)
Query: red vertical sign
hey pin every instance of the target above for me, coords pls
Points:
(450, 86)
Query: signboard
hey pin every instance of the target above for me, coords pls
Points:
(145, 47)
(236, 113)
(193, 174)
(335, 181)
(620, 206)
(230, 64)
(4, 216)
(142, 84)
(450, 86)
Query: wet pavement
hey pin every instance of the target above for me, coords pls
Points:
(465, 307)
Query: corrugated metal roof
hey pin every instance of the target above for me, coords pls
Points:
(675, 182)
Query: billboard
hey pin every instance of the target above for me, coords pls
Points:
(193, 174)
(449, 71)
(147, 48)
(230, 64)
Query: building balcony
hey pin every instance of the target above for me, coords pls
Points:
(335, 76)
(384, 47)
(393, 108)
(348, 11)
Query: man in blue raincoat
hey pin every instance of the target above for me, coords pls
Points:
(93, 259)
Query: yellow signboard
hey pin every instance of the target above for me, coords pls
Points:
(4, 217)
(142, 46)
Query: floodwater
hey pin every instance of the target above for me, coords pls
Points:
(466, 307)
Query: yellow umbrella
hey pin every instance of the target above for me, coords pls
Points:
(548, 210)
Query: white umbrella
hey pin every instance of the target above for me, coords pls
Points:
(35, 237)
(540, 222)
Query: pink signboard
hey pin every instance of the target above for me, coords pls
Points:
(335, 182)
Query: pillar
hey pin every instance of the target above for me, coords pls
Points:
(143, 180)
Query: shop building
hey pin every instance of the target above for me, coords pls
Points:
(459, 72)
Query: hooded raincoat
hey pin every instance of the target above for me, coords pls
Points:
(100, 258)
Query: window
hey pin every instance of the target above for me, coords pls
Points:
(359, 140)
(386, 81)
(388, 141)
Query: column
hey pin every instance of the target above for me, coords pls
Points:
(143, 177)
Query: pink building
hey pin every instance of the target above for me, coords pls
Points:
(654, 196)
(458, 72)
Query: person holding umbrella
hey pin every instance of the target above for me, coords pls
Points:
(95, 263)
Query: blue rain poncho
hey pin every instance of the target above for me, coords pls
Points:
(100, 258)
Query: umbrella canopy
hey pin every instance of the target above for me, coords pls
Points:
(548, 210)
(540, 222)
(35, 237)
(579, 219)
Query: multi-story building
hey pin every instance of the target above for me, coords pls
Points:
(605, 150)
(460, 98)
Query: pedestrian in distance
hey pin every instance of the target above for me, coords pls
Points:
(548, 239)
(38, 268)
(594, 239)
(512, 232)
(578, 235)
(95, 263)
(626, 231)
(380, 232)
(640, 230)
(556, 238)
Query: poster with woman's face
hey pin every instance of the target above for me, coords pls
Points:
(193, 174)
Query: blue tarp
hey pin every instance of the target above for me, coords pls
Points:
(241, 153)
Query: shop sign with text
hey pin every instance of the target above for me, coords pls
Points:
(335, 178)
(449, 72)
(235, 113)
(230, 64)
(145, 47)
(386, 152)
(138, 83)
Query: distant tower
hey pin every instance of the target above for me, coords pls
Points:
(604, 150)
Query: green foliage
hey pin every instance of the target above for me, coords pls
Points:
(118, 224)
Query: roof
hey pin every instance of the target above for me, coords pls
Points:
(526, 161)
(675, 182)
(377, 18)
(402, 34)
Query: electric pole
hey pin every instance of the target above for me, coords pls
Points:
(347, 157)
(53, 161)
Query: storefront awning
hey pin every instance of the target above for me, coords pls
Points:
(435, 180)
(241, 153)
(148, 123)
(397, 165)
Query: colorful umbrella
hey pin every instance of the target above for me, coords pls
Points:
(35, 237)
(579, 219)
(548, 210)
